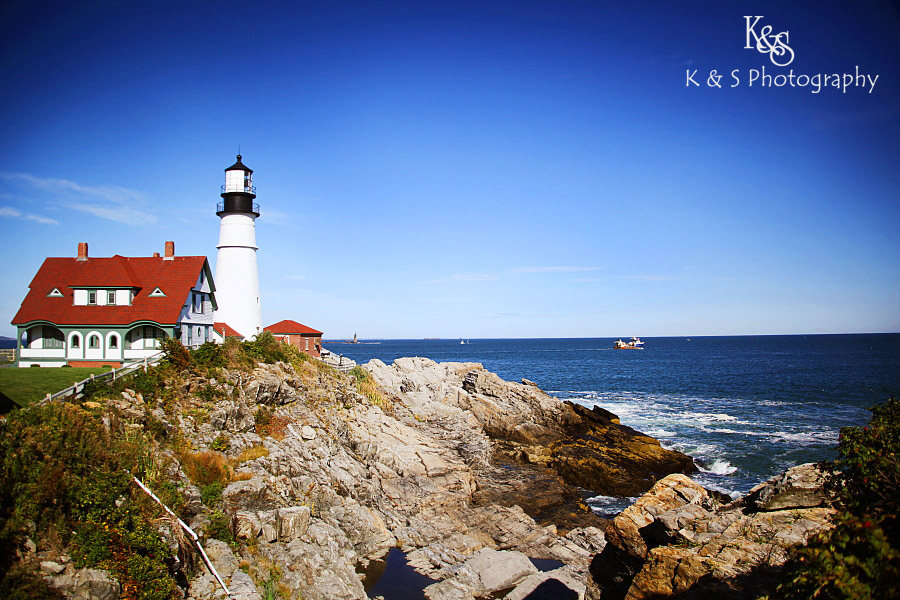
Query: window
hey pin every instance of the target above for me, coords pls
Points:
(111, 297)
(92, 297)
(76, 341)
(94, 342)
(53, 337)
(197, 300)
(113, 342)
(157, 293)
(55, 293)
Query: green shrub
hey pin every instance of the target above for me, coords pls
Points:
(853, 561)
(268, 349)
(63, 470)
(209, 354)
(869, 464)
(221, 443)
(176, 354)
(221, 526)
(860, 557)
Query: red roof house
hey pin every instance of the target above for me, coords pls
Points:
(306, 339)
(89, 311)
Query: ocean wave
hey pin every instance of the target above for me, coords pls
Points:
(609, 506)
(819, 437)
(660, 433)
(716, 467)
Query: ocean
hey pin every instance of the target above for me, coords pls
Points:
(744, 407)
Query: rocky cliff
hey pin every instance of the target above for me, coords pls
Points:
(296, 482)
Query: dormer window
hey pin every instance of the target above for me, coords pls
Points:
(111, 297)
(92, 297)
(157, 293)
(55, 293)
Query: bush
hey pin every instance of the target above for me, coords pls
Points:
(63, 471)
(268, 349)
(855, 560)
(209, 354)
(869, 464)
(175, 354)
(860, 557)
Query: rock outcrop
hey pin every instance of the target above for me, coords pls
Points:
(587, 448)
(469, 475)
(677, 540)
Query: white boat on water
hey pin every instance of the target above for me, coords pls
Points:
(634, 344)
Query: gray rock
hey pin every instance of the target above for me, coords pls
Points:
(54, 568)
(255, 493)
(242, 587)
(221, 556)
(555, 585)
(499, 570)
(292, 522)
(307, 433)
(247, 524)
(449, 589)
(802, 486)
(90, 584)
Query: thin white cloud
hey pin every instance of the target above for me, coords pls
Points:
(632, 277)
(553, 269)
(15, 213)
(464, 277)
(651, 277)
(114, 203)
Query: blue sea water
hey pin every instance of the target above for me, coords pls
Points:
(744, 407)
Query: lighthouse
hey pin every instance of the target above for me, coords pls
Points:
(237, 275)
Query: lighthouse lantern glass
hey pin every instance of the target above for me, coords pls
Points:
(234, 181)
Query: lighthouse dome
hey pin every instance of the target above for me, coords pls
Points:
(239, 166)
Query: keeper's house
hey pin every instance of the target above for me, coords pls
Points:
(305, 339)
(106, 311)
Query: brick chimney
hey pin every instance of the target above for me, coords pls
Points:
(156, 255)
(82, 251)
(170, 251)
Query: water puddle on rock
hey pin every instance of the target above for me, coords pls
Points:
(393, 578)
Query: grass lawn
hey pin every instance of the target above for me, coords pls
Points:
(24, 386)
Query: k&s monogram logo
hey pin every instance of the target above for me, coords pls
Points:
(776, 46)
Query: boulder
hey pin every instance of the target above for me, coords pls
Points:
(802, 486)
(86, 584)
(496, 570)
(255, 493)
(292, 522)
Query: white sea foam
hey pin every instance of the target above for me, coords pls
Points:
(609, 505)
(818, 437)
(660, 433)
(716, 467)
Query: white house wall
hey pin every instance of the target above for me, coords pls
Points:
(80, 297)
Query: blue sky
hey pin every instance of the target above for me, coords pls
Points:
(521, 169)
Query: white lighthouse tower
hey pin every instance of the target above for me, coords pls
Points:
(237, 275)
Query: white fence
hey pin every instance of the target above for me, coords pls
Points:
(76, 388)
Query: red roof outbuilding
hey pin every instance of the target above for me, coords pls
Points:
(288, 327)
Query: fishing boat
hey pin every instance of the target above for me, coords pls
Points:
(634, 344)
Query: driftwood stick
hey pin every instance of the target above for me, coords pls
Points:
(190, 532)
